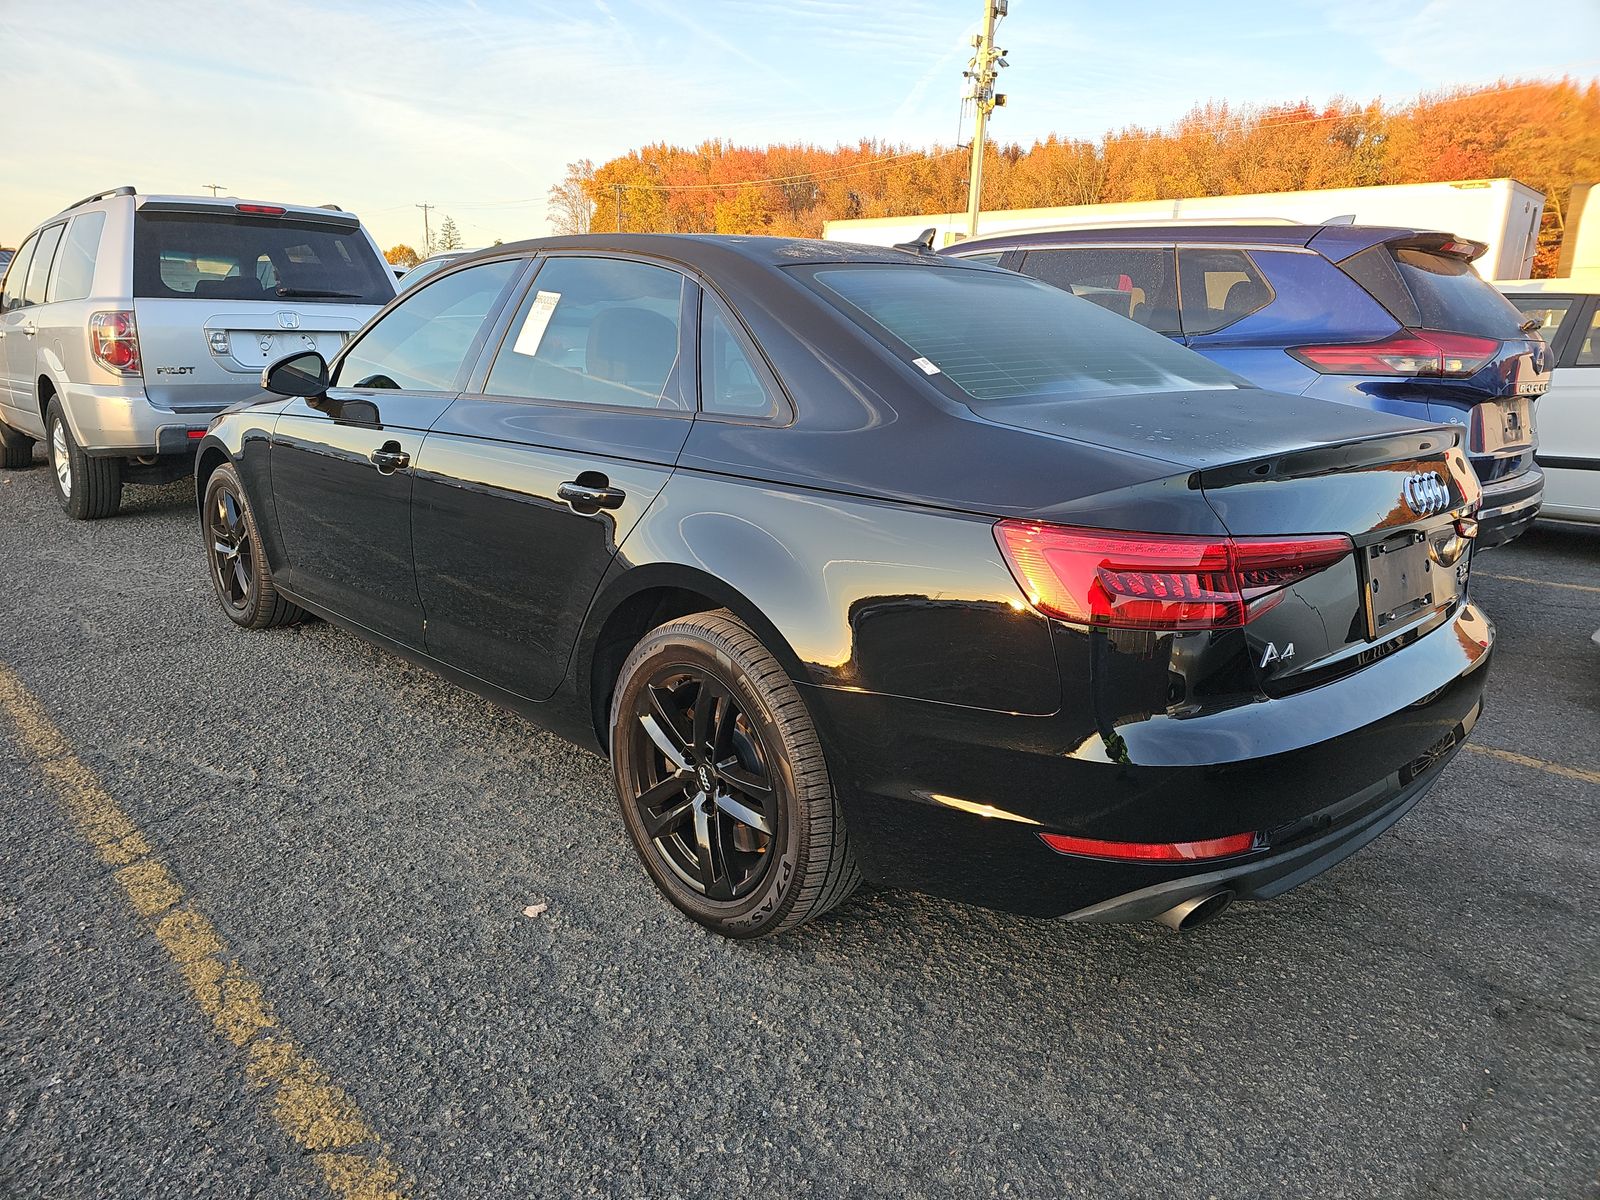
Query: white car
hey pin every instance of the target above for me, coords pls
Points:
(1568, 312)
(127, 321)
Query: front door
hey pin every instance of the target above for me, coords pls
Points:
(342, 464)
(531, 481)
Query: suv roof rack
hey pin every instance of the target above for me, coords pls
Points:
(125, 190)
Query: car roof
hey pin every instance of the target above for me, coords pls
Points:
(1587, 284)
(712, 252)
(1336, 241)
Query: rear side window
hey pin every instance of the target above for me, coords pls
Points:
(1001, 337)
(595, 331)
(1137, 283)
(990, 257)
(422, 343)
(1589, 344)
(1219, 288)
(75, 269)
(192, 255)
(44, 253)
(1374, 269)
(16, 275)
(731, 385)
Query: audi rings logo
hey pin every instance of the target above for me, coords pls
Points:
(1426, 493)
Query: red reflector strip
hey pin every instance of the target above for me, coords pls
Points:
(196, 434)
(1221, 847)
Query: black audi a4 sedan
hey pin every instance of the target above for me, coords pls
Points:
(871, 564)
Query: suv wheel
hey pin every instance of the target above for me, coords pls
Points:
(88, 488)
(16, 449)
(722, 781)
(239, 571)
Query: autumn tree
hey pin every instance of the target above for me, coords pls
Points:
(571, 208)
(402, 256)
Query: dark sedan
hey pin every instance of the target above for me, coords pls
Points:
(1050, 614)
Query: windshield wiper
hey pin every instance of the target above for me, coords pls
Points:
(318, 293)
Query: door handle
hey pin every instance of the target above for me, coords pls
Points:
(589, 498)
(389, 458)
(29, 329)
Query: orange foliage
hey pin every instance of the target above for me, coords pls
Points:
(1546, 134)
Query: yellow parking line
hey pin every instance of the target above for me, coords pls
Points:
(1575, 587)
(314, 1111)
(1522, 760)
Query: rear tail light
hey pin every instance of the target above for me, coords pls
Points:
(1408, 353)
(114, 342)
(261, 210)
(1158, 581)
(1221, 847)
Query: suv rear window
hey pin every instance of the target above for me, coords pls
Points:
(999, 336)
(193, 256)
(1425, 290)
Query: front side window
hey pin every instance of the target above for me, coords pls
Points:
(595, 331)
(75, 261)
(422, 344)
(731, 385)
(39, 270)
(1548, 311)
(222, 257)
(17, 275)
(1134, 282)
(1219, 288)
(1002, 337)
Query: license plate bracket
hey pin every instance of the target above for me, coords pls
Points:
(1401, 582)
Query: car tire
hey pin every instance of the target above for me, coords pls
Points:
(16, 449)
(722, 781)
(87, 488)
(239, 572)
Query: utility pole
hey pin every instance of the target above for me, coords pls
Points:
(427, 233)
(618, 187)
(215, 187)
(981, 73)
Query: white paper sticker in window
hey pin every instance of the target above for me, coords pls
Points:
(927, 367)
(538, 320)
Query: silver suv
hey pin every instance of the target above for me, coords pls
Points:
(126, 321)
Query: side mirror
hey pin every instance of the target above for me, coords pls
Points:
(304, 374)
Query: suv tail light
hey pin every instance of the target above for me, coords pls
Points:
(114, 342)
(1407, 353)
(1158, 581)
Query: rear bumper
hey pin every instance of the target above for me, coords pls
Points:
(1274, 871)
(952, 801)
(1509, 507)
(121, 421)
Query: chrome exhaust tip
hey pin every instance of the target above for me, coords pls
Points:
(1196, 910)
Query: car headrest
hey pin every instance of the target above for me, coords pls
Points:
(633, 346)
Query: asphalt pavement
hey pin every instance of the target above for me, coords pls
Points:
(368, 841)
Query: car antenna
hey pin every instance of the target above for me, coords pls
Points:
(921, 244)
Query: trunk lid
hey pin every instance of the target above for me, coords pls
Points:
(1399, 498)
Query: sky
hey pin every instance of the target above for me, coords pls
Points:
(476, 107)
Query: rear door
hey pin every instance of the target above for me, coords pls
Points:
(222, 291)
(530, 482)
(22, 325)
(342, 463)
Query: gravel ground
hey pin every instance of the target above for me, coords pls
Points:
(1419, 1022)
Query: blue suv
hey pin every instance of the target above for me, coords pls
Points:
(1390, 319)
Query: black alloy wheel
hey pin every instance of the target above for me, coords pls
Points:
(708, 802)
(240, 574)
(232, 552)
(722, 780)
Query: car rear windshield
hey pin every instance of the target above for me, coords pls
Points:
(999, 337)
(195, 256)
(1440, 291)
